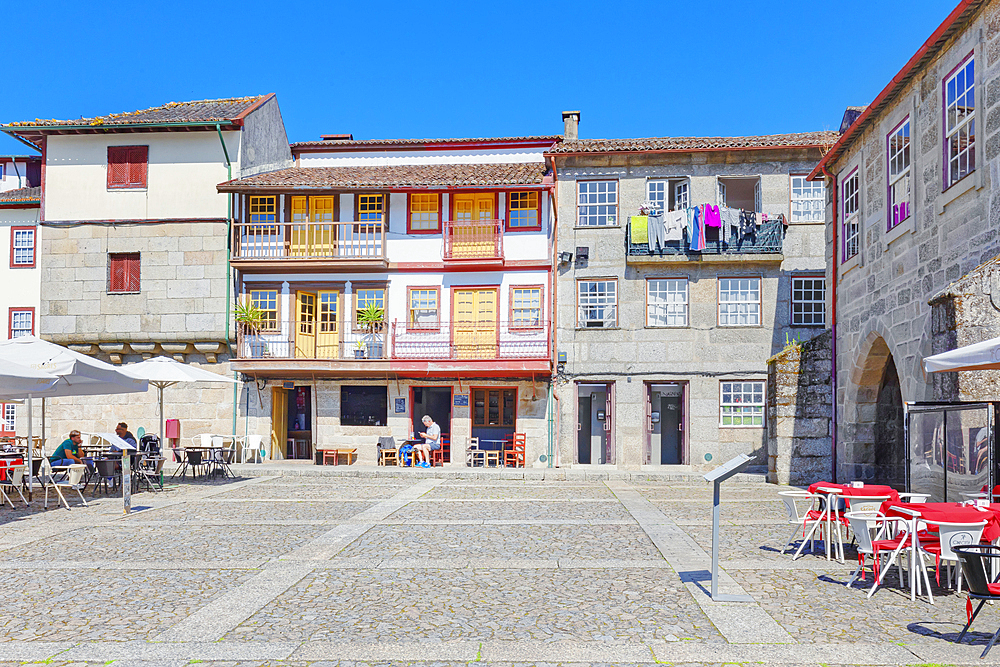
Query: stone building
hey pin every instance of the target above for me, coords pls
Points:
(450, 240)
(132, 247)
(663, 350)
(912, 210)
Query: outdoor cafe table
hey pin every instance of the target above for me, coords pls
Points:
(868, 490)
(950, 513)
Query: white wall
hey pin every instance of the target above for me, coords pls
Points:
(184, 168)
(20, 287)
(11, 179)
(381, 158)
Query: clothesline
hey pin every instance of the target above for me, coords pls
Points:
(655, 228)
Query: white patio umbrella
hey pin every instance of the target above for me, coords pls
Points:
(78, 375)
(978, 356)
(18, 379)
(164, 371)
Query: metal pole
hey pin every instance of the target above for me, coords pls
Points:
(715, 540)
(30, 476)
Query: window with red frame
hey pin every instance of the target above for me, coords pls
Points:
(123, 272)
(7, 418)
(127, 166)
(22, 247)
(20, 322)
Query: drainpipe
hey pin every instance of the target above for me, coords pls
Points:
(554, 349)
(833, 328)
(229, 240)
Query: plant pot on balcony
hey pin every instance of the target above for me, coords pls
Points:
(359, 354)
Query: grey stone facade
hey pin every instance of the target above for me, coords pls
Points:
(883, 326)
(636, 358)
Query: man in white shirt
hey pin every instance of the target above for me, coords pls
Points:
(432, 441)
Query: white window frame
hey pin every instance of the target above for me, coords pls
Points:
(9, 416)
(898, 169)
(956, 128)
(737, 407)
(596, 207)
(22, 249)
(18, 331)
(818, 305)
(808, 199)
(682, 194)
(658, 192)
(851, 211)
(729, 308)
(603, 303)
(674, 305)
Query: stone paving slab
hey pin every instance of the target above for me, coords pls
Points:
(550, 491)
(516, 512)
(229, 512)
(312, 492)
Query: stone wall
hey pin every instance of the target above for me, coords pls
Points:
(799, 412)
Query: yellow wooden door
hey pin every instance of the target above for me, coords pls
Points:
(305, 325)
(474, 325)
(279, 422)
(298, 245)
(470, 240)
(322, 239)
(328, 332)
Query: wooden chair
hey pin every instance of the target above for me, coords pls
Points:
(515, 455)
(441, 456)
(473, 453)
(388, 457)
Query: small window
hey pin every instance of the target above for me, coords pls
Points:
(739, 302)
(123, 272)
(523, 211)
(809, 300)
(960, 122)
(494, 407)
(21, 322)
(22, 247)
(668, 194)
(808, 201)
(424, 308)
(127, 166)
(7, 425)
(898, 159)
(370, 208)
(852, 225)
(525, 307)
(364, 406)
(263, 213)
(597, 203)
(425, 213)
(368, 297)
(741, 404)
(667, 302)
(597, 304)
(267, 302)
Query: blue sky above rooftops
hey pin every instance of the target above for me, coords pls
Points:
(458, 69)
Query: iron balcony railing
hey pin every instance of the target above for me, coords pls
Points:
(428, 340)
(767, 239)
(309, 240)
(473, 239)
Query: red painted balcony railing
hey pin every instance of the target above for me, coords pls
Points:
(473, 239)
(455, 341)
(308, 240)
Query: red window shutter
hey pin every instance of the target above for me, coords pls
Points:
(116, 274)
(123, 272)
(118, 159)
(138, 164)
(132, 272)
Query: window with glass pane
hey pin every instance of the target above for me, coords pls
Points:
(424, 211)
(598, 303)
(494, 407)
(809, 300)
(682, 196)
(808, 200)
(24, 247)
(667, 302)
(267, 301)
(597, 203)
(657, 192)
(328, 312)
(263, 212)
(8, 416)
(369, 297)
(424, 309)
(898, 160)
(960, 122)
(523, 210)
(852, 225)
(741, 404)
(369, 208)
(526, 307)
(739, 302)
(21, 323)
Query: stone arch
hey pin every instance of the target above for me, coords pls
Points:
(871, 434)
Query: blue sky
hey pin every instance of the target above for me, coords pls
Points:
(457, 69)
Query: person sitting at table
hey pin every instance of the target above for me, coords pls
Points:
(432, 441)
(68, 452)
(122, 432)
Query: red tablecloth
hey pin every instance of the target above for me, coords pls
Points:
(951, 512)
(870, 490)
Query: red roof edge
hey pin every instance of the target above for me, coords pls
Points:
(353, 147)
(253, 107)
(892, 86)
(710, 149)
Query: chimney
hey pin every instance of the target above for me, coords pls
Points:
(571, 125)
(337, 137)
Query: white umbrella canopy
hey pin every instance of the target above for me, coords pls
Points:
(978, 356)
(164, 371)
(18, 379)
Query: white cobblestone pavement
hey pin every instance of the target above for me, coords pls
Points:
(434, 571)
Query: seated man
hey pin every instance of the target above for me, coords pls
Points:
(122, 432)
(432, 441)
(68, 452)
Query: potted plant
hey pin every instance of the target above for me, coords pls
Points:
(250, 321)
(370, 319)
(359, 349)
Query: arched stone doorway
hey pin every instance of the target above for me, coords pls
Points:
(889, 451)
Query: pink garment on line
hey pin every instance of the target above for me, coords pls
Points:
(713, 218)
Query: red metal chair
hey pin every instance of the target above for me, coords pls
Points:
(514, 452)
(441, 456)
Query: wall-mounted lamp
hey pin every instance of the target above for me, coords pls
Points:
(565, 257)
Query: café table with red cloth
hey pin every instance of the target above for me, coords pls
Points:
(868, 490)
(951, 513)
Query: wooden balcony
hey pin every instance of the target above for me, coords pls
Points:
(310, 246)
(475, 241)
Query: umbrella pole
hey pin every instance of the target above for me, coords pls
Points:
(42, 448)
(30, 476)
(159, 388)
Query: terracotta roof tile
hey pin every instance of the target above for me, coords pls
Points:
(682, 144)
(174, 112)
(340, 144)
(395, 176)
(27, 195)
